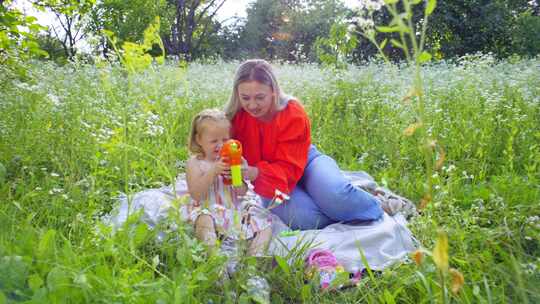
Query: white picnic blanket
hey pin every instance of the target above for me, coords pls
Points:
(383, 242)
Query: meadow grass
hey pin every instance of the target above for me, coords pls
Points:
(73, 138)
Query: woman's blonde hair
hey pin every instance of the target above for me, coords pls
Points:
(197, 127)
(254, 70)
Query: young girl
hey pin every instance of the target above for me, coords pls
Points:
(218, 210)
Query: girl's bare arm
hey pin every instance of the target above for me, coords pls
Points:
(199, 181)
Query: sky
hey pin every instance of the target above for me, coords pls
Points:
(238, 7)
(229, 9)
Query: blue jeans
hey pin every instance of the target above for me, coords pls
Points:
(323, 196)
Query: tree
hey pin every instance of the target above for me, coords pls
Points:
(336, 50)
(69, 15)
(226, 43)
(469, 26)
(187, 27)
(191, 23)
(263, 20)
(49, 43)
(310, 21)
(288, 29)
(126, 19)
(526, 34)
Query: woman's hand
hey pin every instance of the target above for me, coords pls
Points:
(248, 172)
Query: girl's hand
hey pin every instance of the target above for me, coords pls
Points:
(226, 173)
(220, 167)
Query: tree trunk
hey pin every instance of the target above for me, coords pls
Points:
(189, 17)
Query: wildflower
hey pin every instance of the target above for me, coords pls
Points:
(55, 191)
(54, 99)
(449, 169)
(418, 257)
(279, 198)
(425, 200)
(54, 174)
(409, 131)
(440, 252)
(457, 280)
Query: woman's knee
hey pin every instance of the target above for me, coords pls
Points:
(346, 202)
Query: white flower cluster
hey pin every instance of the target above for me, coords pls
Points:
(534, 221)
(369, 5)
(531, 268)
(364, 15)
(152, 125)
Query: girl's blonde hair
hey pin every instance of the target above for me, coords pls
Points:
(214, 115)
(254, 70)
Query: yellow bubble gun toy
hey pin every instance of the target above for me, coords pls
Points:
(232, 151)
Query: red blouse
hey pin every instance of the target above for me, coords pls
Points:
(278, 148)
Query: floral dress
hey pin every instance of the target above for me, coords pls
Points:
(234, 215)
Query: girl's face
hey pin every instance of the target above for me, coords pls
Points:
(257, 99)
(212, 137)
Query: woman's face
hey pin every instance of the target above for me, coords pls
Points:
(257, 99)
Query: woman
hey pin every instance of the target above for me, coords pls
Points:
(275, 133)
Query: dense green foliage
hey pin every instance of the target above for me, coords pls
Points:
(466, 27)
(288, 29)
(457, 28)
(285, 30)
(17, 35)
(73, 137)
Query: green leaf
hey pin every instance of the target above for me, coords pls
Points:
(390, 2)
(430, 7)
(423, 57)
(35, 282)
(141, 234)
(201, 277)
(3, 174)
(306, 293)
(244, 299)
(283, 265)
(396, 43)
(388, 29)
(383, 43)
(46, 246)
(58, 280)
(388, 297)
(13, 273)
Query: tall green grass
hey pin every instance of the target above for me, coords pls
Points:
(67, 132)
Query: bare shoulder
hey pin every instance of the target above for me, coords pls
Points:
(193, 164)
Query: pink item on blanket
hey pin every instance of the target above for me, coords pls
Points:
(322, 259)
(326, 264)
